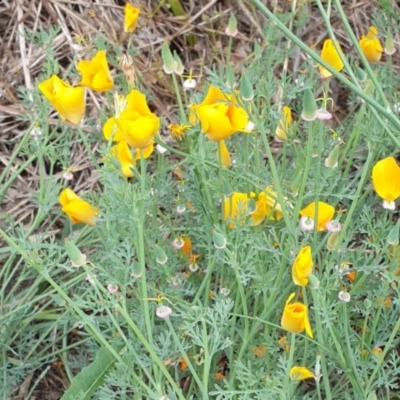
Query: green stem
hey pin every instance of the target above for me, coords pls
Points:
(88, 148)
(286, 383)
(182, 113)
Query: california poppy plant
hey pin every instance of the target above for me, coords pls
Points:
(298, 373)
(302, 266)
(330, 55)
(77, 209)
(225, 156)
(371, 46)
(95, 73)
(219, 114)
(386, 181)
(295, 317)
(322, 211)
(68, 101)
(284, 123)
(131, 15)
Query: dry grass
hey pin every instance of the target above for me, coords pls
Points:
(21, 63)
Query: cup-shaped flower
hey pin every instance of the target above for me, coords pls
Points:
(330, 55)
(295, 317)
(299, 373)
(77, 209)
(323, 211)
(219, 114)
(68, 101)
(95, 73)
(302, 266)
(267, 206)
(284, 123)
(137, 123)
(112, 131)
(235, 208)
(371, 46)
(386, 181)
(131, 15)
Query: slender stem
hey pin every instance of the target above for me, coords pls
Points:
(88, 148)
(182, 113)
(286, 383)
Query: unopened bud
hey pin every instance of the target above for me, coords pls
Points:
(332, 160)
(169, 63)
(219, 240)
(389, 44)
(231, 29)
(77, 258)
(393, 237)
(309, 112)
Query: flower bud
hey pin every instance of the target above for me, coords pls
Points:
(313, 282)
(77, 258)
(389, 44)
(332, 160)
(332, 242)
(246, 88)
(161, 257)
(309, 112)
(179, 66)
(170, 64)
(231, 29)
(393, 237)
(360, 74)
(219, 240)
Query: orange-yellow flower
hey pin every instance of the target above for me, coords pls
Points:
(219, 114)
(68, 101)
(259, 351)
(295, 317)
(123, 153)
(235, 208)
(371, 46)
(137, 125)
(302, 266)
(187, 251)
(131, 15)
(386, 181)
(77, 209)
(284, 123)
(95, 73)
(325, 214)
(330, 55)
(267, 206)
(298, 373)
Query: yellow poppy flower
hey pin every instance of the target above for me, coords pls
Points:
(284, 124)
(266, 206)
(95, 73)
(137, 123)
(371, 46)
(131, 15)
(295, 317)
(302, 266)
(77, 209)
(235, 208)
(225, 156)
(325, 214)
(332, 57)
(298, 373)
(68, 101)
(219, 115)
(386, 181)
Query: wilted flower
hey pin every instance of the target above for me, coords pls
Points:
(302, 266)
(131, 15)
(95, 73)
(187, 251)
(219, 114)
(330, 55)
(225, 156)
(376, 351)
(235, 208)
(386, 181)
(178, 131)
(284, 123)
(344, 296)
(78, 210)
(68, 101)
(325, 214)
(163, 312)
(267, 206)
(224, 292)
(295, 317)
(298, 373)
(371, 46)
(112, 288)
(259, 351)
(178, 243)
